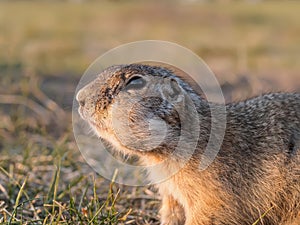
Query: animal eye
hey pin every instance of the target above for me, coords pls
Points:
(135, 83)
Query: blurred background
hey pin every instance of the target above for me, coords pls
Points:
(253, 47)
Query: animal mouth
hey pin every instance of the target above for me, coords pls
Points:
(81, 113)
(84, 114)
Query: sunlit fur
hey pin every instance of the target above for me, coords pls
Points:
(256, 172)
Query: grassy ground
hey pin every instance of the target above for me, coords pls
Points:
(45, 48)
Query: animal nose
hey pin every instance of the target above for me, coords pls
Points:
(81, 98)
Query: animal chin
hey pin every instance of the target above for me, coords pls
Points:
(110, 137)
(98, 128)
(103, 132)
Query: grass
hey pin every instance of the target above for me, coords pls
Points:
(45, 47)
(58, 188)
(93, 211)
(59, 37)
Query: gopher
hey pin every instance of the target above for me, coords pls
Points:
(255, 177)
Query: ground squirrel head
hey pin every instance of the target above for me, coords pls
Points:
(138, 108)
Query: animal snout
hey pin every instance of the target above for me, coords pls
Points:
(86, 100)
(81, 98)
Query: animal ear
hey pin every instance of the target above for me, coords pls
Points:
(172, 90)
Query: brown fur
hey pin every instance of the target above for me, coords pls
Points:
(256, 172)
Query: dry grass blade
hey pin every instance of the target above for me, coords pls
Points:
(4, 191)
(262, 216)
(47, 102)
(21, 100)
